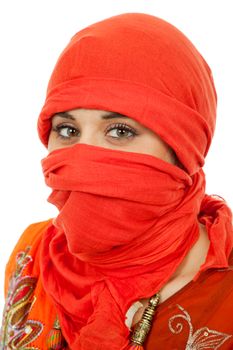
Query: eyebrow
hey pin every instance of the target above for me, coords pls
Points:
(110, 115)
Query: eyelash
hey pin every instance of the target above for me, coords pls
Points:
(118, 126)
(121, 126)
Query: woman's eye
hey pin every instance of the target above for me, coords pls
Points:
(66, 131)
(120, 131)
(117, 132)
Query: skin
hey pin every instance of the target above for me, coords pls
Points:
(105, 129)
(90, 126)
(184, 274)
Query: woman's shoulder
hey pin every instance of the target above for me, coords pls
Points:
(29, 313)
(29, 241)
(33, 232)
(31, 235)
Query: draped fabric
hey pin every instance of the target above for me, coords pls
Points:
(127, 220)
(125, 223)
(199, 316)
(204, 308)
(145, 68)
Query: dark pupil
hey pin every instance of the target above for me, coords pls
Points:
(71, 131)
(121, 132)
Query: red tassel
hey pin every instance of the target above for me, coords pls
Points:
(135, 347)
(55, 339)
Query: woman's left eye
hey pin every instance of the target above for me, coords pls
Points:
(120, 131)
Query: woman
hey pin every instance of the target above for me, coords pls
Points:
(138, 256)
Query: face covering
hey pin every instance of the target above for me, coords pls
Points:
(125, 223)
(127, 220)
(118, 195)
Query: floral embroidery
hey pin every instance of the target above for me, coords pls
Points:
(203, 338)
(17, 331)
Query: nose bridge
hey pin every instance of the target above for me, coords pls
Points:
(89, 136)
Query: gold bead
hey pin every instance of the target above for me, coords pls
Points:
(143, 327)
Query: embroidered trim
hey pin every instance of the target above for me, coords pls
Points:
(203, 338)
(17, 331)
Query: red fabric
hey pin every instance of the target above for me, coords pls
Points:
(208, 301)
(145, 68)
(199, 316)
(127, 220)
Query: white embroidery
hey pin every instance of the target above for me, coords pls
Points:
(203, 338)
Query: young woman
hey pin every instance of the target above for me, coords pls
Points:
(138, 256)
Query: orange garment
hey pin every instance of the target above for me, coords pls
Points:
(27, 307)
(118, 234)
(113, 243)
(143, 67)
(198, 317)
(203, 307)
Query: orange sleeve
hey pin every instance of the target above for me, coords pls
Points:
(26, 299)
(29, 237)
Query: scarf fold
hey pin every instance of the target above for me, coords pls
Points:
(126, 222)
(143, 67)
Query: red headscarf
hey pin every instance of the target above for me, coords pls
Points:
(127, 220)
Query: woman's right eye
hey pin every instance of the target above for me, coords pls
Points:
(66, 131)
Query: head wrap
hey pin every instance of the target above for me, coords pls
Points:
(127, 220)
(144, 68)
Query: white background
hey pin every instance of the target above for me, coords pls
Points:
(32, 35)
